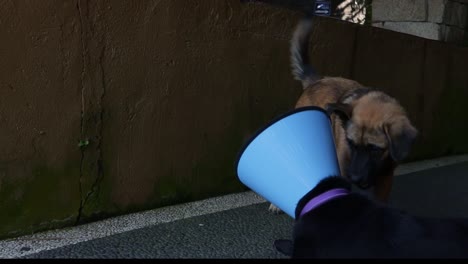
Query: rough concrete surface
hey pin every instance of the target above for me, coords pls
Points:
(435, 10)
(391, 62)
(159, 93)
(433, 188)
(40, 115)
(456, 14)
(427, 30)
(399, 10)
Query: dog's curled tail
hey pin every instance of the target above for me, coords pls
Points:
(301, 68)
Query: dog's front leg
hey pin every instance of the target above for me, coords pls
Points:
(383, 187)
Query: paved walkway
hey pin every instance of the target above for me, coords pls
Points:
(232, 226)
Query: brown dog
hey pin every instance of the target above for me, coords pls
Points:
(371, 129)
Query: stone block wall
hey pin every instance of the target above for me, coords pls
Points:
(444, 20)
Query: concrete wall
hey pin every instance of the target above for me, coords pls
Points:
(164, 92)
(445, 20)
(111, 107)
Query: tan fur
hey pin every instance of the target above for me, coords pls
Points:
(321, 93)
(375, 118)
(370, 113)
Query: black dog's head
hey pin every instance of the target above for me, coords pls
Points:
(354, 226)
(286, 246)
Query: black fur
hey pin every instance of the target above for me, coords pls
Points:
(354, 226)
(356, 94)
(366, 163)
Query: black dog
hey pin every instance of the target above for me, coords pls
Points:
(353, 226)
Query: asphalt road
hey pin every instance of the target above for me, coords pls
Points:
(249, 232)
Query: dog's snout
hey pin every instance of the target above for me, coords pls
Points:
(361, 168)
(360, 179)
(355, 177)
(364, 184)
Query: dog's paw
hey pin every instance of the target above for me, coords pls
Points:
(275, 210)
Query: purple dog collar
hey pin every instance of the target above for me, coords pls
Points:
(323, 198)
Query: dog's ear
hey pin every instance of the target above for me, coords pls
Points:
(284, 246)
(342, 110)
(400, 135)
